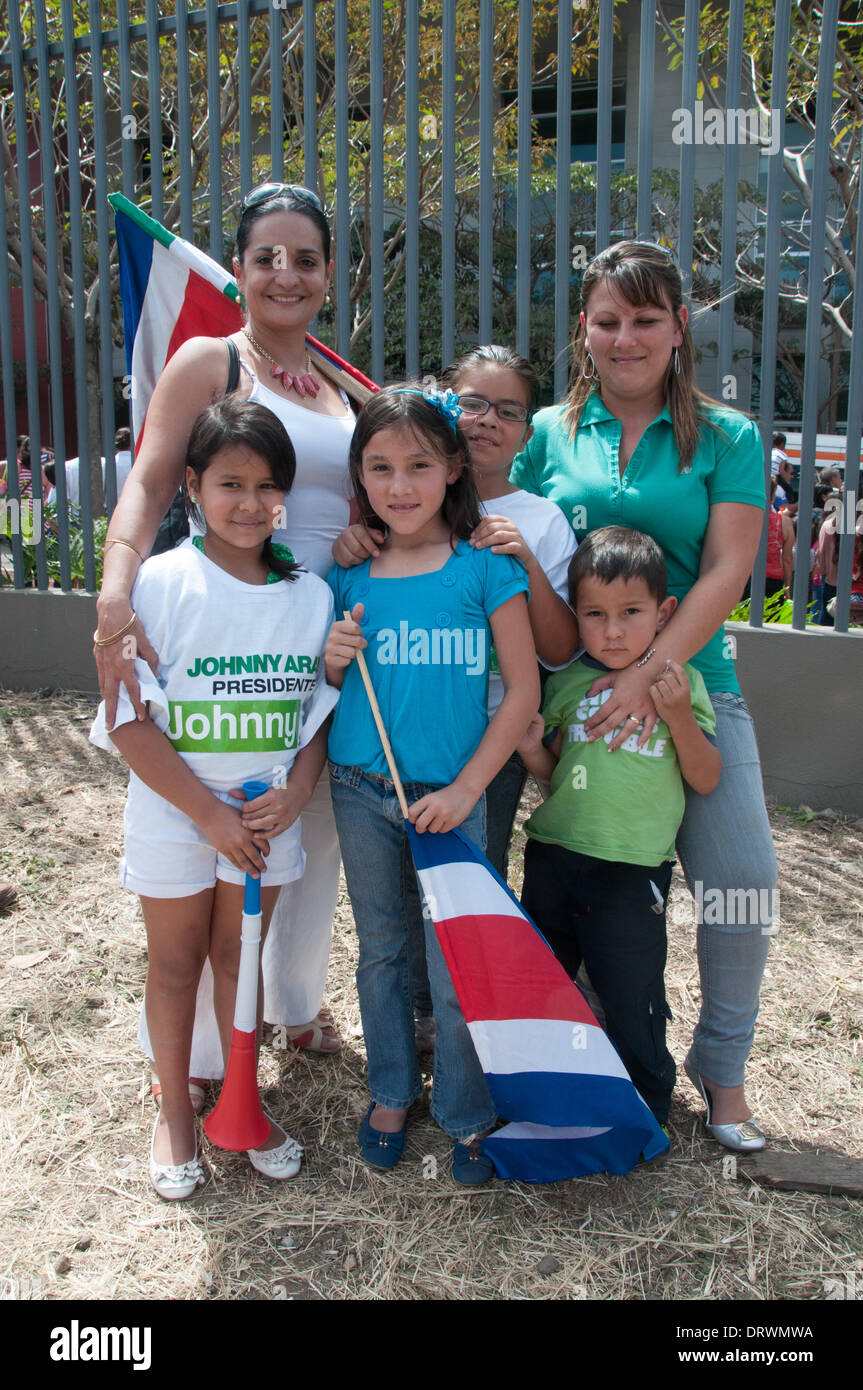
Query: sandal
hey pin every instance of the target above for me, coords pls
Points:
(317, 1036)
(197, 1094)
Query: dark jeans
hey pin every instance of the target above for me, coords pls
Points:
(605, 914)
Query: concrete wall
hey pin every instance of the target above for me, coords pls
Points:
(47, 639)
(803, 689)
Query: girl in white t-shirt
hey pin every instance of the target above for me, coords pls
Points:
(240, 694)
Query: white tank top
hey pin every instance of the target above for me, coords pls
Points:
(318, 505)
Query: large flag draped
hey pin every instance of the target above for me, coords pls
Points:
(551, 1070)
(172, 291)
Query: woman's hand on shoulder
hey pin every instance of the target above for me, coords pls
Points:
(630, 696)
(116, 664)
(355, 544)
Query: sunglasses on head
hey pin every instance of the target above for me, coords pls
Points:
(265, 191)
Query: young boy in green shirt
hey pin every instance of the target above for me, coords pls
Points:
(597, 867)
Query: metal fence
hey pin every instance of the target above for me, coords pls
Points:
(474, 156)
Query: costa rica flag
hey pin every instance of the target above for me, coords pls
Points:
(552, 1072)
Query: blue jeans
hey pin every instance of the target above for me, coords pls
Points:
(725, 846)
(383, 891)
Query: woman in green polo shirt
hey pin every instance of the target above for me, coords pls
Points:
(636, 444)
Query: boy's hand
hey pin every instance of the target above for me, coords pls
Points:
(355, 544)
(531, 740)
(345, 640)
(441, 810)
(671, 695)
(503, 536)
(224, 829)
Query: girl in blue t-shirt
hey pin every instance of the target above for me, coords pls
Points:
(426, 607)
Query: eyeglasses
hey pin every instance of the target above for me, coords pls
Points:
(265, 191)
(507, 411)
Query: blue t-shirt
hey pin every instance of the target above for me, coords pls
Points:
(428, 656)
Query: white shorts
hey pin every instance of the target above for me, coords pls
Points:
(167, 856)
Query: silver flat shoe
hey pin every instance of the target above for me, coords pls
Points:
(745, 1137)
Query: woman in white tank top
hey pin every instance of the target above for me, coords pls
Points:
(283, 270)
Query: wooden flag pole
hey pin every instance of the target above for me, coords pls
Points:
(388, 752)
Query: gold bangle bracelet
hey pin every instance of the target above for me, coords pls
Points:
(109, 641)
(115, 540)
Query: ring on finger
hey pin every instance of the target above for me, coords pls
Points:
(634, 717)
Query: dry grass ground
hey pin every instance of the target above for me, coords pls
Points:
(78, 1217)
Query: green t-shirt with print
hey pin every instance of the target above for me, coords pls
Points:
(626, 807)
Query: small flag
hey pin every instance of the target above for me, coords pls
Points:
(171, 291)
(551, 1070)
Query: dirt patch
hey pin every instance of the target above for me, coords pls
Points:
(78, 1216)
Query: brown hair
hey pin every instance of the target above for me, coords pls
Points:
(493, 355)
(641, 273)
(407, 405)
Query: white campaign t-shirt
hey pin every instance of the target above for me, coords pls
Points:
(549, 535)
(241, 685)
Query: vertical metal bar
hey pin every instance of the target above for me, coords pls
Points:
(770, 320)
(214, 132)
(128, 132)
(646, 63)
(851, 494)
(412, 190)
(184, 159)
(376, 210)
(277, 98)
(815, 294)
(486, 165)
(523, 260)
(447, 233)
(342, 195)
(730, 166)
(9, 435)
(22, 160)
(310, 97)
(79, 305)
(52, 267)
(244, 70)
(689, 89)
(106, 345)
(562, 253)
(603, 125)
(154, 109)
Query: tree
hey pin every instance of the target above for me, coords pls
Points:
(843, 153)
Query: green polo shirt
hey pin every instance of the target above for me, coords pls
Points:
(583, 477)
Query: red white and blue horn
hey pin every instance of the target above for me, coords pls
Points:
(238, 1121)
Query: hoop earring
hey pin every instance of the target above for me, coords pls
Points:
(676, 360)
(592, 373)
